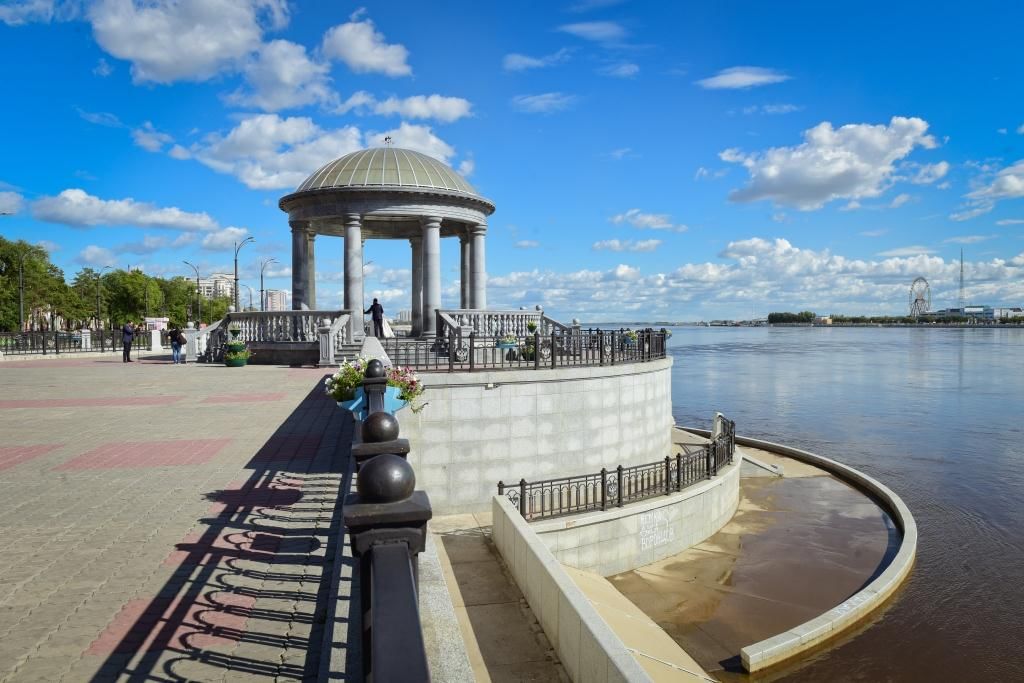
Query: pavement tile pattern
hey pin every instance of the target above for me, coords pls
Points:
(165, 522)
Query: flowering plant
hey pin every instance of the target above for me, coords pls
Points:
(235, 325)
(507, 339)
(631, 336)
(408, 383)
(341, 386)
(531, 326)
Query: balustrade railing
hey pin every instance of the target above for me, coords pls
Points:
(622, 485)
(61, 342)
(273, 326)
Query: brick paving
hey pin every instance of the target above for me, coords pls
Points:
(164, 523)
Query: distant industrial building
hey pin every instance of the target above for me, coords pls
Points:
(989, 313)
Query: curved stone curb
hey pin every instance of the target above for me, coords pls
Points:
(830, 624)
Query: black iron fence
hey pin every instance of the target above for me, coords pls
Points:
(615, 488)
(40, 343)
(561, 348)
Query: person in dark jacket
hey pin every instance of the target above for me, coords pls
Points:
(377, 312)
(127, 335)
(177, 341)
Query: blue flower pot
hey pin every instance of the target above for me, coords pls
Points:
(357, 405)
(506, 345)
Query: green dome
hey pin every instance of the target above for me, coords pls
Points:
(387, 167)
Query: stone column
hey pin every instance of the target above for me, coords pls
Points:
(431, 273)
(465, 277)
(354, 270)
(311, 269)
(417, 285)
(478, 268)
(300, 265)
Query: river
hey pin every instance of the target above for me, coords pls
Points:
(937, 415)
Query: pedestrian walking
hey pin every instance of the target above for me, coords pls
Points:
(376, 311)
(127, 336)
(177, 341)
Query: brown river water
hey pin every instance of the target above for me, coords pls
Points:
(937, 415)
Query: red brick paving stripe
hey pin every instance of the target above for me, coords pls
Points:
(243, 398)
(147, 454)
(142, 625)
(15, 455)
(110, 401)
(71, 362)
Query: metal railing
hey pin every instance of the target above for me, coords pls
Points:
(42, 343)
(386, 521)
(561, 347)
(615, 488)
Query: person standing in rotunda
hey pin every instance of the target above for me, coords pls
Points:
(376, 311)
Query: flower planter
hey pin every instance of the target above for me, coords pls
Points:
(358, 405)
(234, 333)
(236, 362)
(506, 345)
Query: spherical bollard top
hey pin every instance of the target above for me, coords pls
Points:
(385, 478)
(374, 369)
(380, 426)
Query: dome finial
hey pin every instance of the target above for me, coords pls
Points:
(388, 141)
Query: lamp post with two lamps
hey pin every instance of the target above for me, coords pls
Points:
(238, 246)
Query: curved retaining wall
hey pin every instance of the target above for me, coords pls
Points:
(830, 624)
(638, 534)
(483, 427)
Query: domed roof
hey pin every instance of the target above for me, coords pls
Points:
(387, 167)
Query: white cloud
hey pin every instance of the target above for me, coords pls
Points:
(48, 245)
(150, 139)
(899, 200)
(11, 203)
(620, 153)
(855, 161)
(544, 103)
(180, 153)
(626, 245)
(439, 107)
(874, 233)
(929, 173)
(990, 188)
(360, 46)
(190, 40)
(517, 62)
(969, 239)
(598, 31)
(77, 208)
(103, 68)
(224, 239)
(706, 173)
(96, 256)
(101, 118)
(148, 245)
(282, 76)
(19, 12)
(587, 5)
(527, 244)
(771, 109)
(647, 221)
(623, 70)
(267, 152)
(466, 167)
(1011, 221)
(742, 77)
(416, 138)
(1020, 129)
(907, 251)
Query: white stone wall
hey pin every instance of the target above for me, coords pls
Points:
(481, 427)
(638, 534)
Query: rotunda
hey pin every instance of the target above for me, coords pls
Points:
(390, 193)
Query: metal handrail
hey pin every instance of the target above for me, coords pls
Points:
(577, 494)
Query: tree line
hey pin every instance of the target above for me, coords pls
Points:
(111, 296)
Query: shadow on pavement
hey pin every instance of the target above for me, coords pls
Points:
(250, 589)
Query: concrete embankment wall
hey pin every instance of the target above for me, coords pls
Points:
(830, 624)
(483, 427)
(621, 539)
(587, 646)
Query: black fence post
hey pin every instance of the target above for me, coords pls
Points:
(600, 346)
(616, 340)
(522, 498)
(552, 348)
(536, 350)
(618, 487)
(708, 458)
(679, 471)
(604, 489)
(472, 350)
(501, 488)
(668, 475)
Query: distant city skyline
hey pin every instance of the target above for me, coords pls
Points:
(648, 160)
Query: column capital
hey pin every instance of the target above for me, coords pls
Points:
(353, 217)
(302, 226)
(478, 229)
(430, 221)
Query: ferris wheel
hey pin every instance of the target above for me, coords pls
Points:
(920, 297)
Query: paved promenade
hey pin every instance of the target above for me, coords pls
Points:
(164, 523)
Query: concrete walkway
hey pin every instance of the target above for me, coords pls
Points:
(164, 522)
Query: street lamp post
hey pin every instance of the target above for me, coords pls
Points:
(263, 266)
(21, 292)
(239, 245)
(99, 282)
(199, 301)
(250, 295)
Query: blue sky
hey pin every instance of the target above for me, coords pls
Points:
(648, 160)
